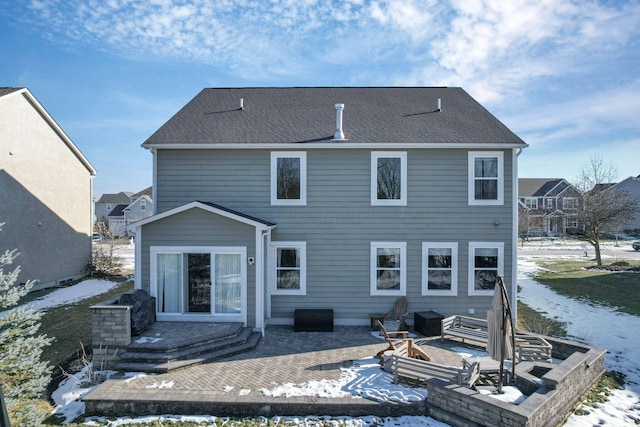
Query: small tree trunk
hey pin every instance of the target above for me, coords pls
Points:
(596, 245)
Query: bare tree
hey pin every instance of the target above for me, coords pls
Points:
(603, 208)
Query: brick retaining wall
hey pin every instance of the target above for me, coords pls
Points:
(556, 393)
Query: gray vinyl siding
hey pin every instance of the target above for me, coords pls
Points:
(195, 227)
(338, 222)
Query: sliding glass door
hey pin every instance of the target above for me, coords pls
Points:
(207, 281)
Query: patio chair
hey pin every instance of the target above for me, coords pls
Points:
(395, 320)
(398, 341)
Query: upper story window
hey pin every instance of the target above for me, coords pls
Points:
(531, 202)
(388, 268)
(388, 178)
(440, 268)
(570, 203)
(289, 178)
(548, 203)
(143, 205)
(289, 268)
(486, 260)
(486, 178)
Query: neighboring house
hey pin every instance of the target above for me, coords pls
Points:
(117, 213)
(548, 207)
(46, 191)
(141, 207)
(269, 200)
(116, 222)
(105, 205)
(632, 186)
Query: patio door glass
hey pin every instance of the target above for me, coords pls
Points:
(228, 284)
(169, 282)
(199, 283)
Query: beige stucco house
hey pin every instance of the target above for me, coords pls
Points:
(46, 187)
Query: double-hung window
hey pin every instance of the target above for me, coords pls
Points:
(289, 178)
(486, 178)
(388, 268)
(531, 202)
(440, 268)
(389, 178)
(486, 261)
(289, 260)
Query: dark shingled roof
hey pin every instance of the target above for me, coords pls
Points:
(308, 115)
(7, 90)
(537, 187)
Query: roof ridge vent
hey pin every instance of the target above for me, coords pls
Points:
(339, 134)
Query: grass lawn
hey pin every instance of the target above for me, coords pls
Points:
(533, 321)
(610, 288)
(70, 325)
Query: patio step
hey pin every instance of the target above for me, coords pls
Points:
(155, 359)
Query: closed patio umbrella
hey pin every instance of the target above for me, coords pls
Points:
(500, 328)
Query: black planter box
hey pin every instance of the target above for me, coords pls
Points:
(313, 320)
(428, 323)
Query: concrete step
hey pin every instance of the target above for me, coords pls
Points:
(186, 351)
(156, 366)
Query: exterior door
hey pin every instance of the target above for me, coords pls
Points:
(200, 283)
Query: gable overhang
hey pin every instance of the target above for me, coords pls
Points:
(214, 209)
(337, 145)
(31, 99)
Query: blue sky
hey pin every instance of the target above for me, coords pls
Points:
(563, 75)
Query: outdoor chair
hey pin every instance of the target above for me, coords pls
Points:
(398, 341)
(395, 320)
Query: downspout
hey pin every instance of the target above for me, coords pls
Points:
(154, 183)
(260, 282)
(514, 243)
(137, 272)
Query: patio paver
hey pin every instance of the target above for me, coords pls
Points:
(232, 387)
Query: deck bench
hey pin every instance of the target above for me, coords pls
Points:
(417, 370)
(464, 327)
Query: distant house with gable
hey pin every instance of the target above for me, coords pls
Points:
(547, 207)
(631, 185)
(105, 205)
(117, 212)
(46, 187)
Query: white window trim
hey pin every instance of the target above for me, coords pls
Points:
(472, 250)
(454, 268)
(154, 251)
(471, 177)
(403, 268)
(534, 205)
(302, 201)
(572, 203)
(273, 247)
(375, 155)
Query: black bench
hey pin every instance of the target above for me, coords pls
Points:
(313, 320)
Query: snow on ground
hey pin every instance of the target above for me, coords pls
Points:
(599, 326)
(69, 295)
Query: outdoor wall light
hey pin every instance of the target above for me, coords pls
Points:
(496, 222)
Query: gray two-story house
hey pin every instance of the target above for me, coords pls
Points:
(272, 199)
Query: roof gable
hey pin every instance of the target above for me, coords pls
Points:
(31, 99)
(308, 115)
(212, 208)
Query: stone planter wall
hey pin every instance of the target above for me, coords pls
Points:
(557, 391)
(111, 330)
